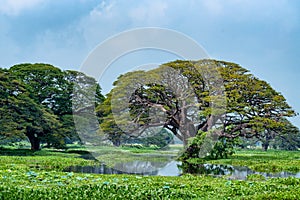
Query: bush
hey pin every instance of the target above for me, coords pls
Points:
(222, 148)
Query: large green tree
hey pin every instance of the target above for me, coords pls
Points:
(185, 97)
(48, 87)
(20, 115)
(61, 93)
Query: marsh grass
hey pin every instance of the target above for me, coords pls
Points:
(60, 185)
(38, 175)
(49, 159)
(262, 161)
(41, 160)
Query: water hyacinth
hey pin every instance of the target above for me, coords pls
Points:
(21, 182)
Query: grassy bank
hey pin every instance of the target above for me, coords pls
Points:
(38, 175)
(262, 161)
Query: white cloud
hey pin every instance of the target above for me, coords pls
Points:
(112, 17)
(14, 7)
(99, 23)
(103, 10)
(149, 12)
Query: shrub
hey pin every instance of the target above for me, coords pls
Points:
(222, 148)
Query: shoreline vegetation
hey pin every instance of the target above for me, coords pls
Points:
(39, 175)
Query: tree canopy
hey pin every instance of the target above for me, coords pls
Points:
(36, 102)
(188, 97)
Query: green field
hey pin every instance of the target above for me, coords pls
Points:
(39, 175)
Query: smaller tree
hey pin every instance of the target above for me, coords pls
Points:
(107, 122)
(111, 130)
(223, 148)
(86, 96)
(288, 139)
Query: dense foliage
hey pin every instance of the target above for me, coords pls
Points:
(223, 148)
(36, 102)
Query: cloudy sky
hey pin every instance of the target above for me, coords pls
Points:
(262, 36)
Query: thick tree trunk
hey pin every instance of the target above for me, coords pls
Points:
(265, 145)
(35, 142)
(33, 138)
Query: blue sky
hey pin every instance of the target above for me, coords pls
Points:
(262, 36)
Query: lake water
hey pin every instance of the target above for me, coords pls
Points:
(171, 169)
(134, 167)
(236, 172)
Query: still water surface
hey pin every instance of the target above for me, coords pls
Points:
(171, 169)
